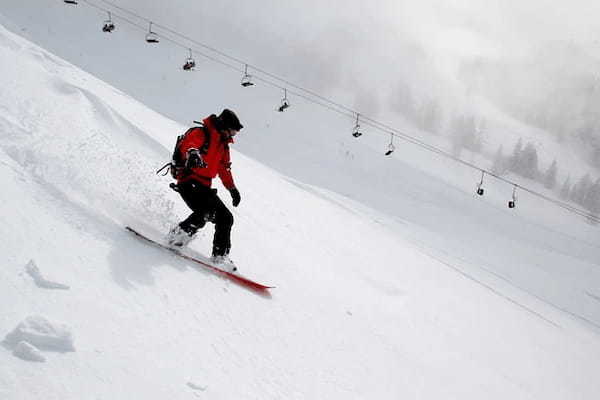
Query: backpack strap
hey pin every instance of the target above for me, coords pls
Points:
(205, 146)
(176, 163)
(163, 167)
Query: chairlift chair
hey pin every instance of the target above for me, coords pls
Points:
(391, 149)
(190, 63)
(284, 102)
(109, 26)
(513, 202)
(480, 190)
(391, 146)
(283, 106)
(247, 79)
(356, 131)
(151, 37)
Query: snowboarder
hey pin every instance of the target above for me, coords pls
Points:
(205, 154)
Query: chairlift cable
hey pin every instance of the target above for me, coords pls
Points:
(285, 82)
(322, 101)
(268, 82)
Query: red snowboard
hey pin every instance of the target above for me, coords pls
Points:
(250, 284)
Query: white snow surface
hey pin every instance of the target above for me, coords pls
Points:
(448, 296)
(33, 270)
(38, 331)
(28, 352)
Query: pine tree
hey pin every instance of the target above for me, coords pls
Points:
(580, 189)
(499, 164)
(515, 158)
(528, 163)
(471, 135)
(565, 190)
(550, 176)
(478, 128)
(592, 200)
(465, 134)
(457, 128)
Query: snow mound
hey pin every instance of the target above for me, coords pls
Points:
(41, 333)
(196, 386)
(33, 271)
(28, 352)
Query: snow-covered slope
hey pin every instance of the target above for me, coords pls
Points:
(537, 247)
(366, 306)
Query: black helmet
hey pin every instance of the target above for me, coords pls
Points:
(229, 120)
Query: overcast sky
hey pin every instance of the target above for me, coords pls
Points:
(360, 52)
(324, 44)
(266, 31)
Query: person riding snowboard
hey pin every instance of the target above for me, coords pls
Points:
(204, 152)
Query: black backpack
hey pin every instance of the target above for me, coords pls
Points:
(177, 164)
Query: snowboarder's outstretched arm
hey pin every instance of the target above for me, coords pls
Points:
(227, 178)
(225, 171)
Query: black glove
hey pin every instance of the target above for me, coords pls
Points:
(235, 196)
(194, 159)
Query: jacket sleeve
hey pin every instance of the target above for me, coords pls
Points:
(193, 140)
(225, 171)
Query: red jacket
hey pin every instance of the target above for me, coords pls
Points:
(217, 156)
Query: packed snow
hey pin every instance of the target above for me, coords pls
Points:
(33, 271)
(36, 334)
(28, 352)
(435, 294)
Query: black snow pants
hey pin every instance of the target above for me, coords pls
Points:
(207, 206)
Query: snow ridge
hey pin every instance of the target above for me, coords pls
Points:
(32, 269)
(36, 334)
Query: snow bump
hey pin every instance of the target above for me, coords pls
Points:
(32, 269)
(28, 352)
(197, 387)
(37, 332)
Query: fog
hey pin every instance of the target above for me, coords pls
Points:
(536, 61)
(521, 70)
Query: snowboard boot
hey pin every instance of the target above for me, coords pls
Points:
(223, 262)
(178, 237)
